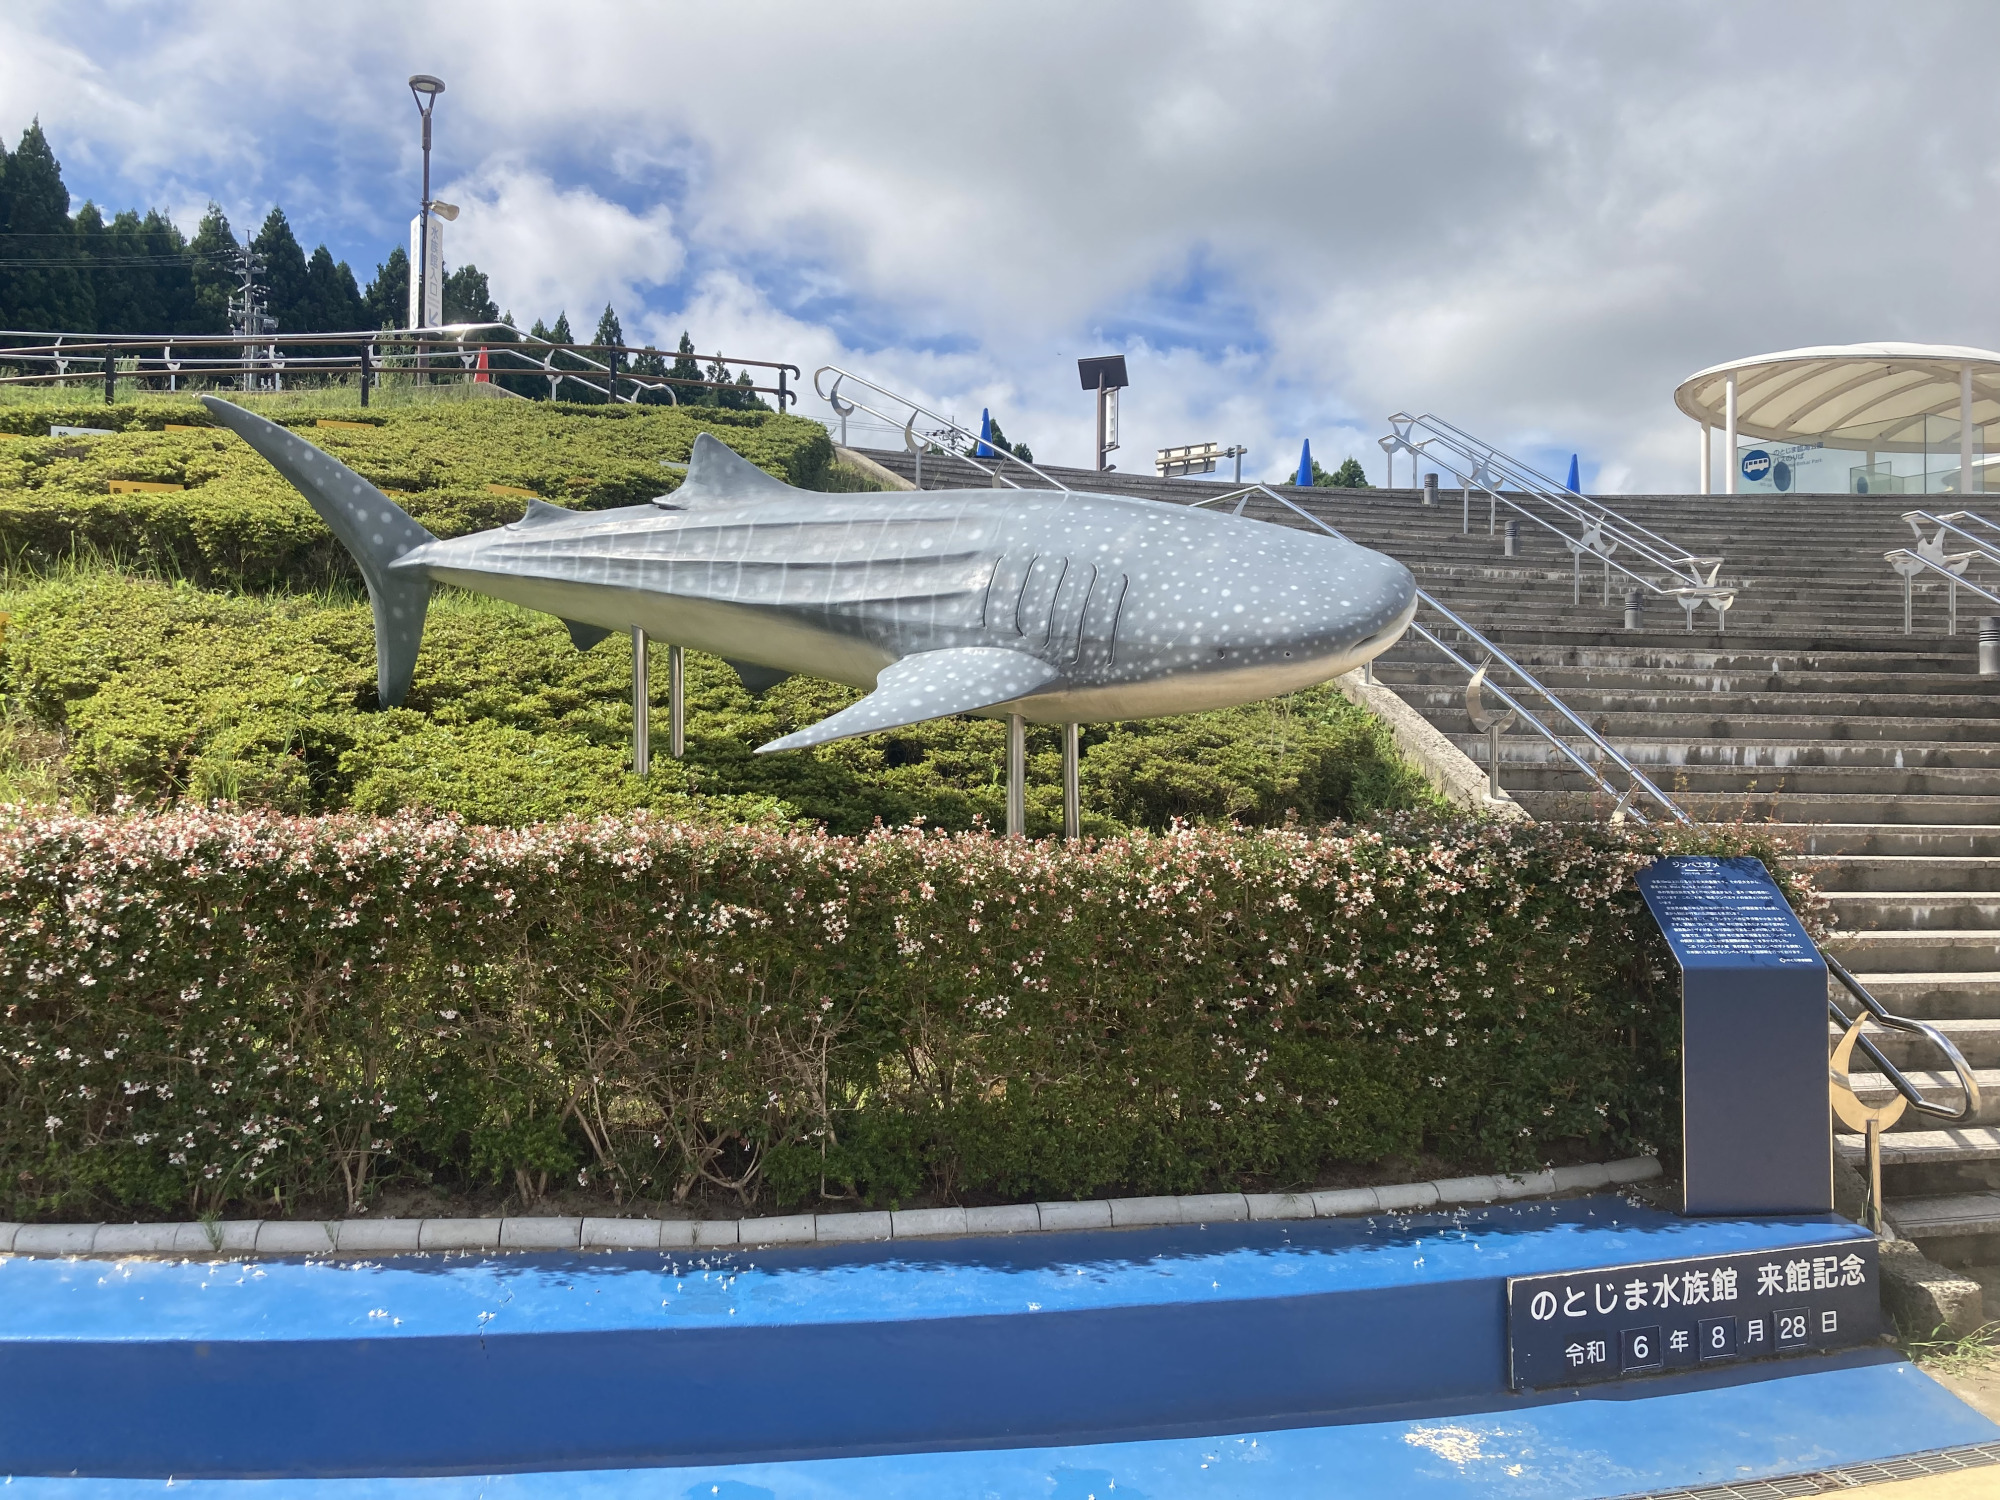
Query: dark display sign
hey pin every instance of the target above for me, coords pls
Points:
(1754, 1136)
(1580, 1327)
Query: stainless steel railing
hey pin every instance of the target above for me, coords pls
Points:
(1661, 565)
(1523, 678)
(946, 432)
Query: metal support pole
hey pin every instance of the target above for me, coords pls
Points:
(1875, 1175)
(676, 702)
(1493, 762)
(110, 380)
(1492, 510)
(1072, 782)
(1707, 462)
(1099, 463)
(1729, 464)
(783, 394)
(366, 374)
(1576, 576)
(1951, 606)
(1909, 590)
(1965, 474)
(1017, 776)
(642, 728)
(1607, 583)
(1465, 501)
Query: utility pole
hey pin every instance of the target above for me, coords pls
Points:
(247, 315)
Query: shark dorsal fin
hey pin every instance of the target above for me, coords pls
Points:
(540, 511)
(718, 476)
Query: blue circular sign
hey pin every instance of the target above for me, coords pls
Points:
(1756, 465)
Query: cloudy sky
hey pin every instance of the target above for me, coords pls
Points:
(1533, 219)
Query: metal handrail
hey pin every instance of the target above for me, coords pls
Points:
(1601, 531)
(1640, 781)
(908, 426)
(1898, 557)
(1989, 550)
(517, 354)
(1881, 1014)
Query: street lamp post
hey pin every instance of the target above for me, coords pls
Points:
(424, 89)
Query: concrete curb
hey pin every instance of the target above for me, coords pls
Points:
(1448, 768)
(535, 1232)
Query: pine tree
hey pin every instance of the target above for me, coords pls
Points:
(213, 274)
(467, 298)
(284, 274)
(51, 290)
(1348, 476)
(687, 367)
(386, 303)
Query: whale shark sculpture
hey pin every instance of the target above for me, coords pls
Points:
(1058, 606)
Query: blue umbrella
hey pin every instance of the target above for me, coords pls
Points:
(985, 449)
(1305, 474)
(1575, 486)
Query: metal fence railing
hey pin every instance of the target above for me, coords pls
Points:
(494, 353)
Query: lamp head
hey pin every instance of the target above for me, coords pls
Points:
(443, 210)
(425, 88)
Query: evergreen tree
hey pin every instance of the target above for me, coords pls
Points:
(386, 303)
(1020, 450)
(572, 390)
(284, 275)
(609, 331)
(45, 287)
(213, 273)
(335, 297)
(687, 367)
(467, 298)
(1347, 477)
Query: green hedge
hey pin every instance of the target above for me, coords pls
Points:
(238, 522)
(210, 1012)
(164, 692)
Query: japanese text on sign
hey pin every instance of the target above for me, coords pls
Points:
(1572, 1327)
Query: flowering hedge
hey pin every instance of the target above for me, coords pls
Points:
(209, 1011)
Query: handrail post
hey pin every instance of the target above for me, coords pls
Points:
(365, 373)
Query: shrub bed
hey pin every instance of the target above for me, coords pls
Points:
(167, 692)
(211, 1012)
(236, 521)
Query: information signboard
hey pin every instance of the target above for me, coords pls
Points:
(1754, 1128)
(1580, 1327)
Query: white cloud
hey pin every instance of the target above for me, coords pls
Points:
(547, 249)
(1532, 218)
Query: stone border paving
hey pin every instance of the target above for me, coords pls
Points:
(535, 1232)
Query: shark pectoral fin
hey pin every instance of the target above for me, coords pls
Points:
(583, 637)
(930, 685)
(757, 680)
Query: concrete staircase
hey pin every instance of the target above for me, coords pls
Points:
(1810, 708)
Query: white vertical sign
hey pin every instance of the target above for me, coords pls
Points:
(432, 259)
(1111, 419)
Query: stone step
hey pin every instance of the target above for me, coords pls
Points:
(1891, 873)
(1548, 772)
(1857, 911)
(1934, 995)
(1942, 950)
(1945, 1217)
(1446, 696)
(1941, 1088)
(1749, 729)
(1930, 1163)
(1524, 748)
(1658, 658)
(1914, 840)
(1977, 1039)
(1788, 808)
(1568, 682)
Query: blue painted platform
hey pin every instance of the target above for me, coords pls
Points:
(1228, 1360)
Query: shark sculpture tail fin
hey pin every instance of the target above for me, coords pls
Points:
(371, 526)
